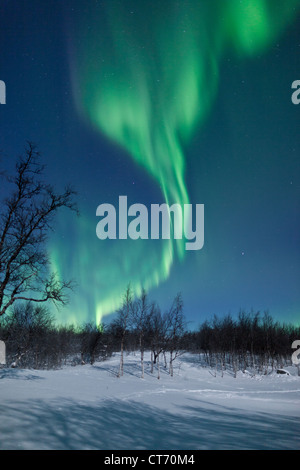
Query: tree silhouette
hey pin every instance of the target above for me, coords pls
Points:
(26, 216)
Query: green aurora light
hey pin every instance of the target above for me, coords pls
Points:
(146, 76)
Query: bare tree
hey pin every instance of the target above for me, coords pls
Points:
(29, 336)
(123, 321)
(141, 319)
(91, 342)
(26, 216)
(176, 325)
(157, 329)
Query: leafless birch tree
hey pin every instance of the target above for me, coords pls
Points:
(123, 323)
(26, 216)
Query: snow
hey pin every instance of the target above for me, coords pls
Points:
(89, 407)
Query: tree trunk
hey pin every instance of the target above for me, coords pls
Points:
(165, 359)
(121, 369)
(171, 363)
(142, 362)
(142, 354)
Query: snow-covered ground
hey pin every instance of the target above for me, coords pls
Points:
(88, 407)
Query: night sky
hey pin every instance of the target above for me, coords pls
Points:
(173, 101)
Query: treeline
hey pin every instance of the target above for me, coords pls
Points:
(252, 341)
(33, 340)
(249, 342)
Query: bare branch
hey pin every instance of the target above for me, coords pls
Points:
(26, 216)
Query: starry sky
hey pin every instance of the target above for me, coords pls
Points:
(164, 102)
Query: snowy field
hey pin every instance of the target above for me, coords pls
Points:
(88, 407)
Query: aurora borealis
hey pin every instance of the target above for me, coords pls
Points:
(176, 102)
